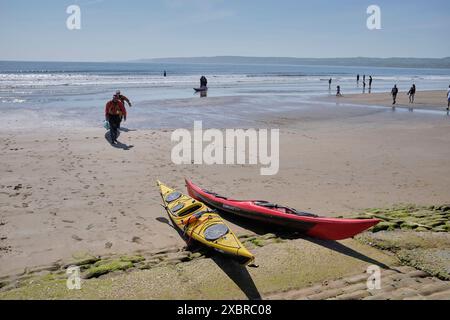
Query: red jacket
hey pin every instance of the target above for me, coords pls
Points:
(115, 108)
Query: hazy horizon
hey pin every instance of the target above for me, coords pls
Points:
(150, 60)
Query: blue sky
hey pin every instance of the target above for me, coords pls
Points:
(134, 29)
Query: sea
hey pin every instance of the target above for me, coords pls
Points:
(58, 94)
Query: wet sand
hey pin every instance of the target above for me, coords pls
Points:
(428, 100)
(64, 191)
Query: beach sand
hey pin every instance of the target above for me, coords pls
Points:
(65, 191)
(428, 100)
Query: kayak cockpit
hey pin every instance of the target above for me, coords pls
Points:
(283, 209)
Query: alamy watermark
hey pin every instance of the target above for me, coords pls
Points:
(374, 19)
(228, 147)
(73, 22)
(374, 280)
(74, 280)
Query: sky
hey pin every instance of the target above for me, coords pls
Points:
(118, 30)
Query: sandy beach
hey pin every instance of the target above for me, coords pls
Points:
(65, 191)
(427, 100)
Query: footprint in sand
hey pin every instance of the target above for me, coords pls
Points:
(77, 238)
(136, 240)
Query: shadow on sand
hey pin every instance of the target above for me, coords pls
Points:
(262, 229)
(235, 271)
(239, 274)
(118, 145)
(123, 129)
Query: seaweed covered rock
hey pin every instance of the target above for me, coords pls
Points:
(410, 217)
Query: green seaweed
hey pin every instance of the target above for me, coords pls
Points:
(132, 259)
(115, 265)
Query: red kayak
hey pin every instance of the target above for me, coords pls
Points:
(310, 224)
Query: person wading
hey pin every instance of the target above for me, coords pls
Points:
(394, 93)
(412, 93)
(114, 113)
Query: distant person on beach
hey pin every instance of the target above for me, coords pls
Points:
(394, 93)
(357, 79)
(338, 92)
(114, 113)
(364, 78)
(370, 82)
(364, 86)
(165, 73)
(203, 82)
(329, 83)
(448, 98)
(412, 93)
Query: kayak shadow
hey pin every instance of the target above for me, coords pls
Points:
(239, 274)
(343, 249)
(235, 271)
(166, 221)
(261, 229)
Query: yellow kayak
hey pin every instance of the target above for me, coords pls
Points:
(200, 223)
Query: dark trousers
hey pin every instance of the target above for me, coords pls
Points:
(114, 124)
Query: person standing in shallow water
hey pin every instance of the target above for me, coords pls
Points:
(412, 93)
(329, 83)
(357, 79)
(203, 82)
(394, 94)
(114, 112)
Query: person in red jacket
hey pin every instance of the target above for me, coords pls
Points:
(114, 112)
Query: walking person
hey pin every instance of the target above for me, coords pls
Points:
(394, 94)
(114, 113)
(412, 93)
(338, 91)
(448, 99)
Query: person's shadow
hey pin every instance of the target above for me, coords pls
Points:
(235, 271)
(126, 129)
(118, 145)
